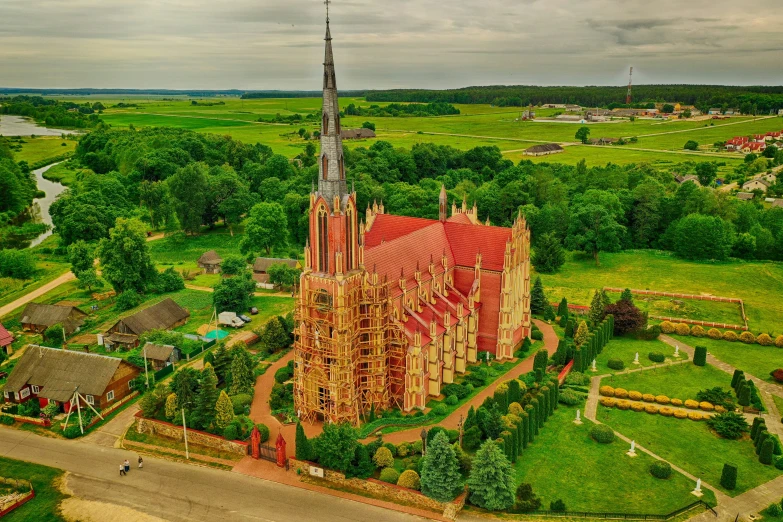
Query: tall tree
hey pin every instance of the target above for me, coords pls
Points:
(224, 411)
(538, 300)
(582, 134)
(440, 477)
(706, 171)
(303, 449)
(229, 195)
(581, 334)
(336, 446)
(233, 293)
(206, 400)
(184, 384)
(125, 257)
(597, 312)
(155, 196)
(189, 188)
(82, 256)
(562, 308)
(242, 379)
(266, 228)
(593, 229)
(491, 481)
(548, 255)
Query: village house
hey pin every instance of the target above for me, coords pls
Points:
(745, 196)
(162, 316)
(262, 264)
(357, 134)
(543, 150)
(52, 375)
(38, 317)
(736, 143)
(684, 179)
(714, 111)
(210, 262)
(602, 141)
(756, 184)
(772, 136)
(159, 355)
(754, 147)
(5, 340)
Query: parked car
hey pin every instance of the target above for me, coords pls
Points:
(254, 311)
(244, 318)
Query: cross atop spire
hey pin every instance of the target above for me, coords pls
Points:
(326, 2)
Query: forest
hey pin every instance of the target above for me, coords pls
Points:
(704, 97)
(397, 109)
(52, 113)
(178, 179)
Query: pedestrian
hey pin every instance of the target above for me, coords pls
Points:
(141, 462)
(127, 465)
(122, 469)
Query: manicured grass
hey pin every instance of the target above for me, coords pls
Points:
(754, 359)
(692, 446)
(45, 480)
(37, 149)
(718, 312)
(565, 463)
(625, 349)
(759, 284)
(778, 403)
(676, 382)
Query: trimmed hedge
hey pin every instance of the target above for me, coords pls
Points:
(615, 364)
(409, 479)
(656, 357)
(728, 477)
(661, 469)
(602, 434)
(747, 338)
(700, 355)
(390, 475)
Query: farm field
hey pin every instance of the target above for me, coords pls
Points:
(625, 485)
(659, 142)
(759, 284)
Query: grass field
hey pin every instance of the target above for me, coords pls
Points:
(617, 483)
(759, 284)
(687, 308)
(37, 149)
(754, 359)
(45, 481)
(676, 382)
(66, 173)
(625, 349)
(692, 446)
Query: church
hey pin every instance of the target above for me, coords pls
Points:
(393, 308)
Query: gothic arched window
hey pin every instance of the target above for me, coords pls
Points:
(342, 168)
(325, 125)
(337, 123)
(323, 239)
(325, 167)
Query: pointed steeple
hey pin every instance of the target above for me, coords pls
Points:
(443, 203)
(331, 166)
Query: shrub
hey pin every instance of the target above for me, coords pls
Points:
(7, 420)
(728, 477)
(231, 432)
(774, 510)
(606, 391)
(700, 356)
(526, 500)
(239, 402)
(716, 396)
(637, 406)
(416, 446)
(766, 452)
(661, 469)
(635, 395)
(615, 364)
(383, 457)
(747, 338)
(602, 434)
(679, 414)
(719, 408)
(656, 357)
(409, 479)
(651, 408)
(577, 379)
(729, 425)
(557, 505)
(568, 397)
(72, 431)
(764, 340)
(648, 397)
(537, 335)
(667, 327)
(779, 341)
(682, 329)
(777, 375)
(391, 447)
(662, 399)
(623, 404)
(691, 404)
(730, 336)
(666, 411)
(676, 402)
(263, 430)
(706, 406)
(451, 400)
(695, 415)
(609, 402)
(390, 475)
(620, 393)
(698, 331)
(439, 409)
(714, 333)
(284, 374)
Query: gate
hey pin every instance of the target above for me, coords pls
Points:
(267, 452)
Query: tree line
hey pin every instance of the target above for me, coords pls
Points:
(704, 97)
(52, 113)
(407, 109)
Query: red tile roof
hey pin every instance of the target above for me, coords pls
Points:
(5, 337)
(387, 227)
(467, 240)
(460, 218)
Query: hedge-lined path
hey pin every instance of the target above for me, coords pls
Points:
(450, 423)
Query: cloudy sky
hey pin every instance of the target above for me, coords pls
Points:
(277, 44)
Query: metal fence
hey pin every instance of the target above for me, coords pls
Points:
(163, 372)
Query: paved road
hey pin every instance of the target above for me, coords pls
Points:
(38, 292)
(181, 492)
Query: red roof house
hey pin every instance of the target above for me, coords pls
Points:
(6, 339)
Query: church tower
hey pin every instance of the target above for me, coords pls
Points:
(331, 166)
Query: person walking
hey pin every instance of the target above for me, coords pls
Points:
(141, 462)
(127, 465)
(122, 469)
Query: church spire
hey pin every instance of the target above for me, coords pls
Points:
(443, 203)
(331, 167)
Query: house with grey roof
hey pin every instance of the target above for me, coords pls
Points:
(164, 315)
(38, 317)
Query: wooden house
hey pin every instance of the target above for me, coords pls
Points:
(5, 340)
(262, 264)
(357, 134)
(52, 375)
(159, 355)
(210, 262)
(38, 317)
(543, 149)
(162, 316)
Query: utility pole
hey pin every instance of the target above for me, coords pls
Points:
(185, 433)
(628, 96)
(146, 373)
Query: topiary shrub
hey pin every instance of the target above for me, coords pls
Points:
(390, 475)
(602, 434)
(666, 411)
(623, 404)
(568, 397)
(698, 331)
(706, 406)
(676, 402)
(667, 327)
(695, 415)
(660, 469)
(779, 465)
(637, 406)
(263, 430)
(728, 477)
(609, 402)
(606, 391)
(682, 329)
(383, 458)
(241, 402)
(662, 399)
(656, 357)
(779, 341)
(409, 479)
(651, 408)
(615, 364)
(557, 506)
(747, 338)
(648, 397)
(714, 333)
(403, 449)
(451, 400)
(730, 336)
(680, 414)
(231, 432)
(635, 395)
(7, 420)
(620, 393)
(764, 340)
(777, 375)
(691, 404)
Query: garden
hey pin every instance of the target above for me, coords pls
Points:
(622, 351)
(45, 481)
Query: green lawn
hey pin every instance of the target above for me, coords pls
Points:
(180, 250)
(713, 311)
(754, 359)
(692, 446)
(37, 149)
(759, 284)
(565, 463)
(66, 173)
(677, 382)
(625, 349)
(45, 482)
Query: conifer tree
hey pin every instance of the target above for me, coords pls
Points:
(440, 477)
(303, 449)
(221, 361)
(242, 378)
(470, 420)
(540, 360)
(596, 313)
(363, 466)
(491, 481)
(562, 308)
(581, 334)
(538, 300)
(514, 391)
(605, 298)
(171, 406)
(569, 330)
(224, 411)
(206, 400)
(627, 296)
